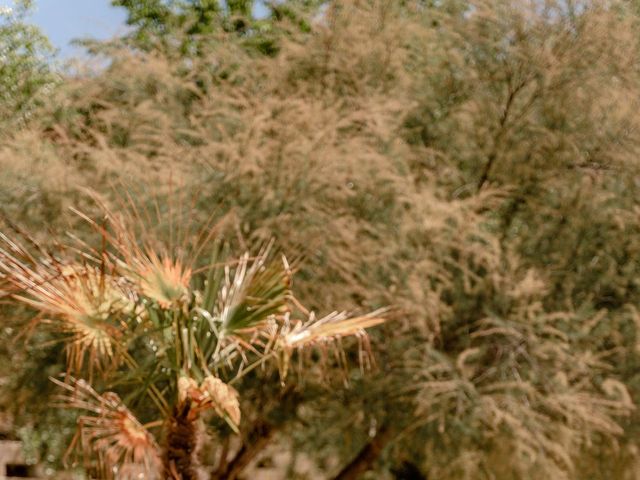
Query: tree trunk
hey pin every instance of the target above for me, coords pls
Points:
(179, 460)
(365, 458)
(257, 440)
(258, 437)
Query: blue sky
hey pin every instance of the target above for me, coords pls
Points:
(64, 20)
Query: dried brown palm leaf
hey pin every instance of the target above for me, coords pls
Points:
(164, 280)
(109, 429)
(77, 300)
(159, 275)
(223, 397)
(161, 264)
(212, 393)
(326, 333)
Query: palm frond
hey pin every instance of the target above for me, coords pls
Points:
(163, 279)
(326, 333)
(160, 275)
(77, 300)
(252, 292)
(109, 429)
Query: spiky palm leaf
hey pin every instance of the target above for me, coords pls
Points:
(123, 445)
(326, 333)
(81, 301)
(173, 333)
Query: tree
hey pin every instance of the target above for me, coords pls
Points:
(168, 342)
(25, 69)
(186, 24)
(472, 162)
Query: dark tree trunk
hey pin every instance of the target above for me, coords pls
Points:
(258, 439)
(367, 456)
(179, 461)
(407, 471)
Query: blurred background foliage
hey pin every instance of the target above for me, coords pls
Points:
(472, 163)
(25, 70)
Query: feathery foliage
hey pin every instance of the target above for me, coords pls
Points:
(473, 163)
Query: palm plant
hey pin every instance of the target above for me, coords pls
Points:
(156, 338)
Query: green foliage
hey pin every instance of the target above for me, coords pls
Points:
(187, 25)
(25, 71)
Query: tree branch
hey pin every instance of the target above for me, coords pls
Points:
(367, 456)
(259, 437)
